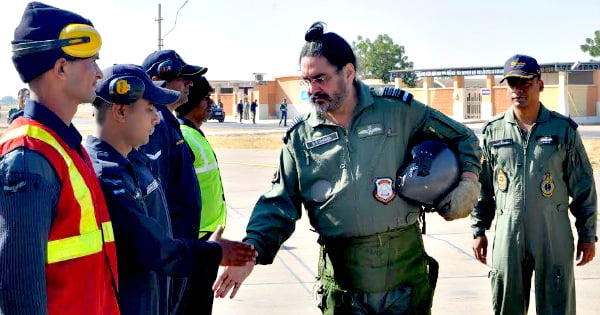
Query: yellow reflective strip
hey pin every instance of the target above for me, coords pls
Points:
(80, 188)
(90, 239)
(107, 231)
(74, 247)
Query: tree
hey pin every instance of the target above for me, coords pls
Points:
(592, 45)
(8, 100)
(376, 59)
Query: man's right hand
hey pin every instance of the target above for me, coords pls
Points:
(234, 253)
(232, 278)
(480, 244)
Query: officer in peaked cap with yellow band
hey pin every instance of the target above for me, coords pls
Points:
(534, 163)
(340, 162)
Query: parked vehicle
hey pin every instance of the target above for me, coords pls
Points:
(217, 113)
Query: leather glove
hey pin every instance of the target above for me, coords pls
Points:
(461, 201)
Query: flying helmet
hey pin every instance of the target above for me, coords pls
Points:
(431, 174)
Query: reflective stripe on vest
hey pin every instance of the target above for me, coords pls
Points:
(91, 238)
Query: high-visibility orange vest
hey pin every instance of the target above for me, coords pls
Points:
(81, 268)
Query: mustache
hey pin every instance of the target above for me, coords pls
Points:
(321, 96)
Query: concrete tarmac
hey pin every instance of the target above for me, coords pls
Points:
(286, 286)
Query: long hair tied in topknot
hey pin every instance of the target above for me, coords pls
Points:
(329, 45)
(315, 32)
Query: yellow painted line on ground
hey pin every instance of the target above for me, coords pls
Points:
(248, 164)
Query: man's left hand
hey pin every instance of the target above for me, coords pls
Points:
(585, 253)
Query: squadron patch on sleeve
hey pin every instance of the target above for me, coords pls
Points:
(384, 190)
(547, 186)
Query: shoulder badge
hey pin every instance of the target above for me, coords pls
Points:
(293, 125)
(406, 97)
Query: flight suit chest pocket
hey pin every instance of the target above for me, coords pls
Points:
(505, 153)
(549, 149)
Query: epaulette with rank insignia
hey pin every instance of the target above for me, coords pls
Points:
(406, 97)
(293, 125)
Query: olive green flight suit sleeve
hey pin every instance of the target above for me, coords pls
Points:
(274, 217)
(483, 214)
(582, 189)
(461, 138)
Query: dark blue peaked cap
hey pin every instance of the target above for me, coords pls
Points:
(41, 22)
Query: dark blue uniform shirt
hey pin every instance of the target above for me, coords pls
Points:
(147, 253)
(173, 163)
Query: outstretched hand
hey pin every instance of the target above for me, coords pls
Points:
(232, 278)
(234, 253)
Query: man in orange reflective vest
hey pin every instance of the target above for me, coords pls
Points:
(57, 253)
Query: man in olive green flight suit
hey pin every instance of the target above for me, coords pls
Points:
(534, 161)
(340, 161)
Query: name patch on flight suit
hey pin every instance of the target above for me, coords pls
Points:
(547, 186)
(322, 140)
(384, 190)
(501, 143)
(501, 180)
(547, 140)
(370, 130)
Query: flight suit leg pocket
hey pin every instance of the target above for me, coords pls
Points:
(558, 282)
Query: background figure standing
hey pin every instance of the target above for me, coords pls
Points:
(192, 114)
(283, 107)
(534, 162)
(246, 109)
(240, 110)
(57, 250)
(372, 258)
(15, 112)
(253, 107)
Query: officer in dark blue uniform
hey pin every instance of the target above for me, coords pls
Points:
(172, 159)
(148, 254)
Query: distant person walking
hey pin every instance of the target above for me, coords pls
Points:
(253, 107)
(246, 109)
(283, 109)
(240, 110)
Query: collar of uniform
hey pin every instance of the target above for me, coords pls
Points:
(365, 99)
(186, 122)
(543, 115)
(40, 113)
(167, 116)
(104, 151)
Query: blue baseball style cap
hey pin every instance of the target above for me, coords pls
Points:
(44, 35)
(125, 83)
(168, 65)
(521, 66)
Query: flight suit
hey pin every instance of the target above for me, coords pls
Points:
(345, 180)
(531, 178)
